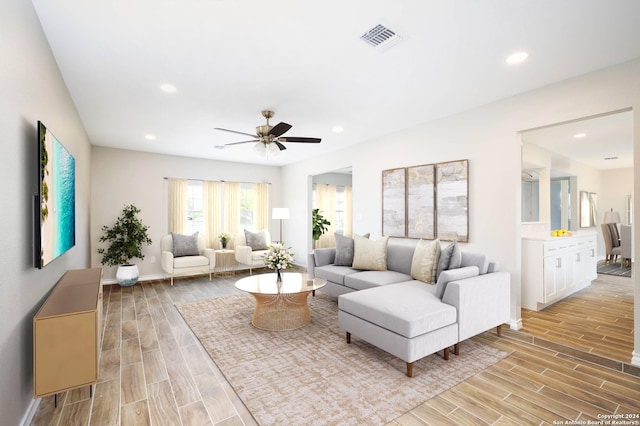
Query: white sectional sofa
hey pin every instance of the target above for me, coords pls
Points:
(410, 318)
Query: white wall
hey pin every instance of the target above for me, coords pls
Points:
(488, 137)
(120, 177)
(32, 89)
(617, 184)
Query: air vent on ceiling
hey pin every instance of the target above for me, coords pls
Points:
(380, 37)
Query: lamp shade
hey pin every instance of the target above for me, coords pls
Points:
(611, 217)
(280, 213)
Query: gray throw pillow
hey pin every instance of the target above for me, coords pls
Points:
(450, 258)
(256, 240)
(185, 245)
(344, 250)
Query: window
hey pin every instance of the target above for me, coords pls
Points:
(195, 216)
(247, 207)
(340, 209)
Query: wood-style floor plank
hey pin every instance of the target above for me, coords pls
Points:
(168, 378)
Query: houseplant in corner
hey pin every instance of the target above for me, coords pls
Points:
(319, 225)
(126, 238)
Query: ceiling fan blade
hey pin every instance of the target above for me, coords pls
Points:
(279, 129)
(282, 147)
(234, 131)
(238, 143)
(297, 139)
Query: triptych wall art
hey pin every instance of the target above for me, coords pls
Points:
(428, 201)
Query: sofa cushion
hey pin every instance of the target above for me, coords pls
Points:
(185, 245)
(190, 262)
(370, 255)
(450, 258)
(408, 309)
(258, 254)
(256, 240)
(333, 273)
(475, 259)
(425, 261)
(400, 254)
(368, 279)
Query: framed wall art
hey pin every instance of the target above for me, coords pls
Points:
(394, 203)
(421, 202)
(428, 201)
(452, 201)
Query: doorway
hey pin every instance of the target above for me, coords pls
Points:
(595, 156)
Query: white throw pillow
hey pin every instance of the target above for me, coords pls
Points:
(370, 255)
(424, 264)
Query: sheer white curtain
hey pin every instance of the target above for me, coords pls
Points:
(348, 211)
(326, 202)
(177, 205)
(262, 205)
(212, 211)
(232, 208)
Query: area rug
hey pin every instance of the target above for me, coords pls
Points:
(613, 269)
(311, 376)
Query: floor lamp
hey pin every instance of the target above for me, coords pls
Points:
(280, 213)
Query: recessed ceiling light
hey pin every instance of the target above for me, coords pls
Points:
(218, 146)
(150, 137)
(168, 88)
(338, 129)
(579, 135)
(517, 58)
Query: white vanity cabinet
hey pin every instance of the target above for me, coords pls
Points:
(554, 268)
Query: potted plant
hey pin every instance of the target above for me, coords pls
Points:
(224, 238)
(319, 224)
(126, 238)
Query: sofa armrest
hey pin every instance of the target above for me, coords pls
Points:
(454, 275)
(311, 265)
(243, 255)
(482, 302)
(324, 256)
(211, 255)
(166, 261)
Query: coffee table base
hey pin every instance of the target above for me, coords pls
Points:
(281, 312)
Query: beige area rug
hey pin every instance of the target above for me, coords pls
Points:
(311, 375)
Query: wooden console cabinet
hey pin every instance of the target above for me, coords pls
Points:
(554, 268)
(67, 334)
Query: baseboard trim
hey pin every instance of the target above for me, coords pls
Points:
(31, 412)
(515, 324)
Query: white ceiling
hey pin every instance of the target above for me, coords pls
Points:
(230, 59)
(607, 142)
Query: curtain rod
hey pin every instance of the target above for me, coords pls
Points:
(218, 180)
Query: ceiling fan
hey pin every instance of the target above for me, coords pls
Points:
(268, 138)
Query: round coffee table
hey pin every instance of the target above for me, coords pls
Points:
(280, 306)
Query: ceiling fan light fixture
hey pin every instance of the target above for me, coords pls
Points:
(272, 150)
(261, 149)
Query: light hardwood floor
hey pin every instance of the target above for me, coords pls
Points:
(597, 320)
(154, 371)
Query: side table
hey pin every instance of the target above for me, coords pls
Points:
(225, 263)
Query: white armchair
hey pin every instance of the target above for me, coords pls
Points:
(251, 253)
(202, 259)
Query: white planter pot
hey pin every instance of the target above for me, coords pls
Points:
(127, 275)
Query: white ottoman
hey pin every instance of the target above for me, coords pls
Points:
(405, 319)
